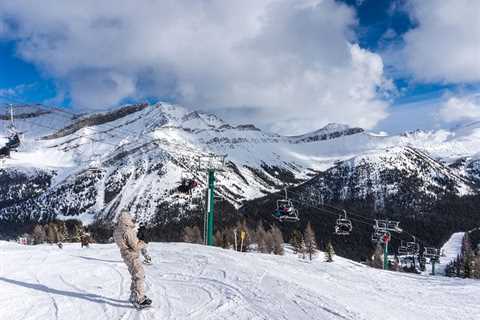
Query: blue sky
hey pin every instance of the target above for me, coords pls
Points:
(53, 56)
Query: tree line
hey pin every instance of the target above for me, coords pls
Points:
(262, 240)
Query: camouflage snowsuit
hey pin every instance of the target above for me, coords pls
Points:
(125, 236)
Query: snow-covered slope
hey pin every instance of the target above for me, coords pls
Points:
(450, 250)
(197, 282)
(143, 151)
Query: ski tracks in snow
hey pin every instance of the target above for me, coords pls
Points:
(190, 282)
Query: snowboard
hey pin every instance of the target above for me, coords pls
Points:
(140, 307)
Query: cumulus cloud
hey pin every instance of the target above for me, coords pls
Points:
(461, 108)
(294, 62)
(445, 46)
(14, 92)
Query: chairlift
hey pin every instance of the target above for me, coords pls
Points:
(94, 167)
(285, 210)
(413, 248)
(13, 140)
(402, 249)
(187, 184)
(431, 252)
(343, 225)
(379, 235)
(387, 225)
(95, 163)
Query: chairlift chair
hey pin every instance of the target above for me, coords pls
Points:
(13, 140)
(343, 225)
(388, 225)
(430, 252)
(187, 184)
(402, 249)
(378, 235)
(393, 226)
(413, 248)
(12, 144)
(285, 211)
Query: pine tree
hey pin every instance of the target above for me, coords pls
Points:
(377, 258)
(269, 242)
(449, 270)
(296, 241)
(277, 241)
(468, 257)
(476, 267)
(188, 234)
(219, 239)
(310, 242)
(61, 230)
(39, 234)
(329, 252)
(302, 250)
(52, 233)
(228, 238)
(260, 237)
(458, 266)
(197, 235)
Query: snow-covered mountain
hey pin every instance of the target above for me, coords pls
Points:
(94, 164)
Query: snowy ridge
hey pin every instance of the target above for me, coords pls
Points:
(145, 150)
(392, 173)
(198, 282)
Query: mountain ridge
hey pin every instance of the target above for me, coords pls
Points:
(142, 152)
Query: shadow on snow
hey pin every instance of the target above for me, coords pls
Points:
(84, 296)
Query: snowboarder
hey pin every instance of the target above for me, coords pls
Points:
(126, 239)
(142, 236)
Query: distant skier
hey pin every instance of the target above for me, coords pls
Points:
(125, 237)
(143, 236)
(85, 239)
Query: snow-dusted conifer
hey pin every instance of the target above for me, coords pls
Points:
(277, 241)
(260, 237)
(296, 241)
(329, 252)
(310, 241)
(269, 242)
(38, 234)
(197, 235)
(377, 257)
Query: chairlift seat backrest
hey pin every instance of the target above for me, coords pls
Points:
(387, 225)
(430, 252)
(402, 250)
(413, 247)
(378, 235)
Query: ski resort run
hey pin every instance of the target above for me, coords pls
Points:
(197, 282)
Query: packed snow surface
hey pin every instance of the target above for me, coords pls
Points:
(450, 250)
(197, 282)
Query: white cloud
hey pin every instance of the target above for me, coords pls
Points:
(445, 46)
(292, 61)
(14, 92)
(461, 108)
